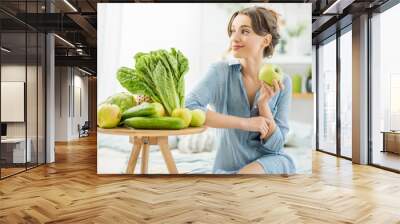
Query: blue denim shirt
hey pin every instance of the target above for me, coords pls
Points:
(223, 90)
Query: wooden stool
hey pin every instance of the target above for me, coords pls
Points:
(141, 141)
(143, 144)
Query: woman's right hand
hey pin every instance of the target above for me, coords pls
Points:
(256, 124)
(267, 92)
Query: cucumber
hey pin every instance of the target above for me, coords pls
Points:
(155, 123)
(142, 110)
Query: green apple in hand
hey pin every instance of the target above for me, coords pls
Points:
(269, 72)
(198, 118)
(183, 113)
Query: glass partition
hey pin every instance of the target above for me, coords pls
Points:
(22, 77)
(13, 94)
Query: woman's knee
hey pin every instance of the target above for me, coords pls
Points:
(252, 168)
(277, 164)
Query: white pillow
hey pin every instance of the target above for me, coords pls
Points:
(172, 142)
(300, 134)
(196, 143)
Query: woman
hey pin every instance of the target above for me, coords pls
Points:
(251, 117)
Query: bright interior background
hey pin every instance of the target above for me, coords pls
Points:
(125, 29)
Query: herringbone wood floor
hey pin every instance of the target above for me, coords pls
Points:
(70, 191)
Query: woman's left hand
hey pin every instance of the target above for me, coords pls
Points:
(267, 92)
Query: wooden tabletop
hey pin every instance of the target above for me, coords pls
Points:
(149, 133)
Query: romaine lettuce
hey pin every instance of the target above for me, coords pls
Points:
(159, 75)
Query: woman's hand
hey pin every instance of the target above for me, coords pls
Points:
(267, 92)
(257, 124)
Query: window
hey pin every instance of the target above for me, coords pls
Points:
(327, 97)
(346, 94)
(385, 87)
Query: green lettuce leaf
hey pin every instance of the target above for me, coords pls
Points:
(159, 75)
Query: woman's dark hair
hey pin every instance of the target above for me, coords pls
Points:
(263, 21)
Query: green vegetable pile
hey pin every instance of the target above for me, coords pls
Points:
(159, 75)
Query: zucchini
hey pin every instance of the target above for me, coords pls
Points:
(155, 123)
(142, 110)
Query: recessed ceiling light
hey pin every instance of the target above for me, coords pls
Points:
(337, 6)
(5, 49)
(84, 71)
(64, 40)
(70, 5)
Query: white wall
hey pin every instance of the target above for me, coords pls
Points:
(67, 115)
(80, 100)
(302, 111)
(61, 103)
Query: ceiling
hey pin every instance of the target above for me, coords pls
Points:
(76, 22)
(77, 26)
(329, 16)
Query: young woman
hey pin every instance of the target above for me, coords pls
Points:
(250, 116)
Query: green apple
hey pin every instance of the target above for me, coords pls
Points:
(108, 115)
(160, 109)
(269, 72)
(123, 100)
(183, 113)
(198, 118)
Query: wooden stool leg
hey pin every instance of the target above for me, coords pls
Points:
(145, 155)
(137, 145)
(169, 160)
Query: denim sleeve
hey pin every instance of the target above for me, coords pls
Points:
(204, 92)
(274, 144)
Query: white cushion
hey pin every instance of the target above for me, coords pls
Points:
(300, 134)
(196, 143)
